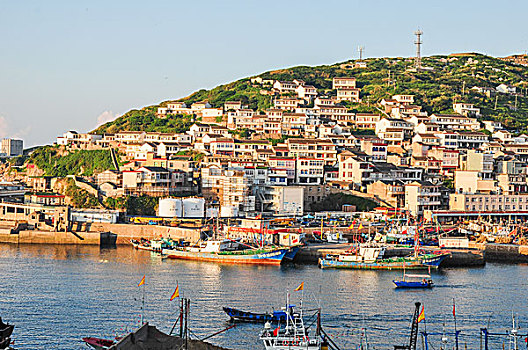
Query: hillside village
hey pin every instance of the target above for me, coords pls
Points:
(298, 144)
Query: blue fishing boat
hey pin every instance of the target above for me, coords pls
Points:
(415, 281)
(275, 316)
(290, 255)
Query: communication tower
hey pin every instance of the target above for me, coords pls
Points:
(418, 42)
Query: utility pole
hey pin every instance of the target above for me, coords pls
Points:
(418, 42)
(496, 99)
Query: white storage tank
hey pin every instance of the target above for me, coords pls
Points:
(170, 208)
(193, 207)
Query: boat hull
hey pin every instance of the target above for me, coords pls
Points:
(98, 343)
(290, 255)
(277, 316)
(421, 262)
(413, 284)
(273, 257)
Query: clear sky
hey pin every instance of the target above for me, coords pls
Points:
(68, 65)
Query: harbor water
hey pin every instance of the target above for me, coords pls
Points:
(55, 295)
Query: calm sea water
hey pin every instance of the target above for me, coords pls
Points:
(56, 295)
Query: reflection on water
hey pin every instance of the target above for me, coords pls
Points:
(57, 294)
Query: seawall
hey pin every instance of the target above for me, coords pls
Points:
(66, 238)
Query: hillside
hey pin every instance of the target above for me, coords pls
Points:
(434, 90)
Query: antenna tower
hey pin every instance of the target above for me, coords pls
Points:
(418, 42)
(360, 50)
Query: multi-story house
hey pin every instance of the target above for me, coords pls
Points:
(394, 131)
(421, 196)
(284, 163)
(466, 109)
(366, 120)
(313, 148)
(348, 94)
(151, 181)
(455, 122)
(309, 171)
(306, 92)
(343, 83)
(284, 86)
(287, 103)
(404, 99)
(391, 192)
(488, 202)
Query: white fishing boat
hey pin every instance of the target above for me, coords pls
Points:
(292, 336)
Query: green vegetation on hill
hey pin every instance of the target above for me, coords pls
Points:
(80, 198)
(146, 120)
(143, 205)
(435, 90)
(85, 163)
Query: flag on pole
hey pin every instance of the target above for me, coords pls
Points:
(142, 282)
(421, 317)
(351, 226)
(176, 293)
(454, 315)
(360, 226)
(301, 287)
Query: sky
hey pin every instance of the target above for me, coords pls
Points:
(72, 65)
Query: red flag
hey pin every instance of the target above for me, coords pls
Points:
(454, 309)
(276, 331)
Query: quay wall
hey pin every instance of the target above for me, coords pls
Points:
(47, 237)
(126, 232)
(510, 253)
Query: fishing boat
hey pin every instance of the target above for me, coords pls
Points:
(222, 251)
(238, 315)
(371, 256)
(98, 343)
(143, 244)
(414, 281)
(294, 335)
(292, 251)
(335, 237)
(6, 330)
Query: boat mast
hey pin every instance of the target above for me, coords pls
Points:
(513, 335)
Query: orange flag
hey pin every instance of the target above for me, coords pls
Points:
(142, 282)
(176, 293)
(301, 287)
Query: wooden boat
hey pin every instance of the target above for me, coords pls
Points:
(370, 257)
(414, 281)
(221, 251)
(238, 315)
(98, 343)
(6, 329)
